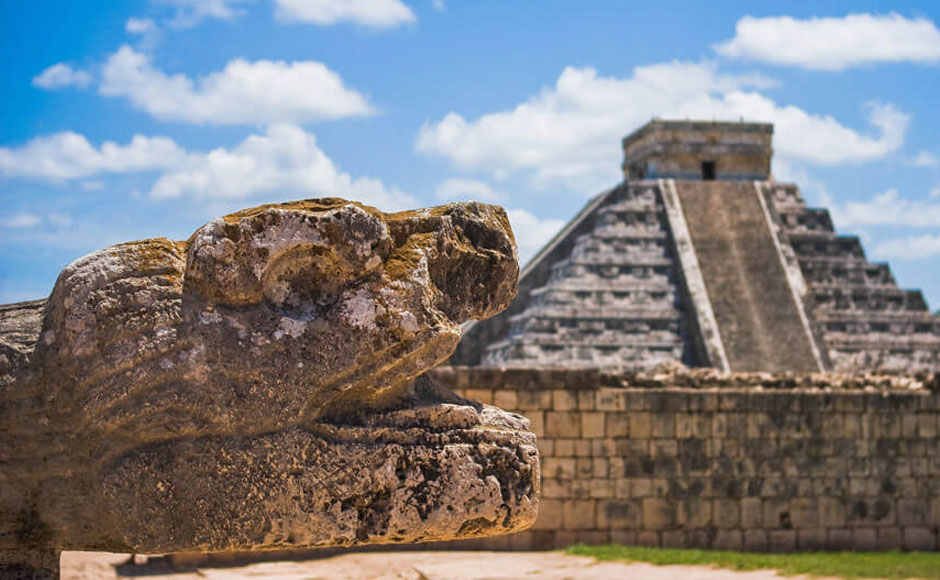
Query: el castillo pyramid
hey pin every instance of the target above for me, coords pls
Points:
(700, 257)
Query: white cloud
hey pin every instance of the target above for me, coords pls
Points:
(146, 30)
(531, 232)
(888, 209)
(189, 13)
(570, 133)
(834, 43)
(259, 92)
(466, 189)
(92, 185)
(909, 248)
(926, 159)
(285, 160)
(21, 220)
(438, 5)
(68, 155)
(60, 76)
(370, 13)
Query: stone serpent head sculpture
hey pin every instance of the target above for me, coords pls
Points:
(260, 386)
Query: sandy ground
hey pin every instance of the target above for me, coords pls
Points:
(421, 566)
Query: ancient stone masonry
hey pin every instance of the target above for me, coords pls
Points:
(260, 386)
(702, 459)
(700, 257)
(614, 299)
(867, 321)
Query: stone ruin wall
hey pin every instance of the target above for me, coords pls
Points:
(780, 468)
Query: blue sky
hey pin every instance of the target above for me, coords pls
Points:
(125, 120)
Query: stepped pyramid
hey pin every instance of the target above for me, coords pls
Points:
(699, 257)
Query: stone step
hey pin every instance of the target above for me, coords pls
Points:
(758, 319)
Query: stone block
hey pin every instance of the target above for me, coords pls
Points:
(752, 513)
(602, 488)
(583, 448)
(580, 489)
(484, 396)
(593, 537)
(934, 518)
(673, 539)
(782, 540)
(912, 512)
(921, 539)
(585, 400)
(726, 513)
(804, 512)
(605, 448)
(618, 514)
(700, 539)
(584, 468)
(728, 540)
(546, 447)
(683, 422)
(864, 539)
(562, 423)
(601, 467)
(664, 448)
(565, 538)
(640, 425)
(648, 539)
(535, 400)
(555, 488)
(622, 488)
(663, 425)
(831, 512)
(840, 539)
(695, 513)
(537, 421)
(592, 425)
(564, 400)
(927, 425)
(623, 537)
(889, 539)
(658, 513)
(559, 467)
(617, 425)
(607, 399)
(578, 515)
(550, 514)
(506, 399)
(564, 447)
(755, 540)
(777, 514)
(811, 539)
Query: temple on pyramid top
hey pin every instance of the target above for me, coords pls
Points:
(707, 150)
(700, 257)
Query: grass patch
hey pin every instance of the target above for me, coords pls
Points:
(842, 564)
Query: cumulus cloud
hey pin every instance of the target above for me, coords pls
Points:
(909, 248)
(466, 189)
(68, 155)
(21, 220)
(834, 43)
(370, 13)
(188, 13)
(926, 159)
(531, 232)
(286, 159)
(257, 92)
(570, 132)
(889, 209)
(60, 76)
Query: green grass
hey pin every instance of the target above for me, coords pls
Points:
(841, 564)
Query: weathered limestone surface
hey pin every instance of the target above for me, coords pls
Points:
(260, 386)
